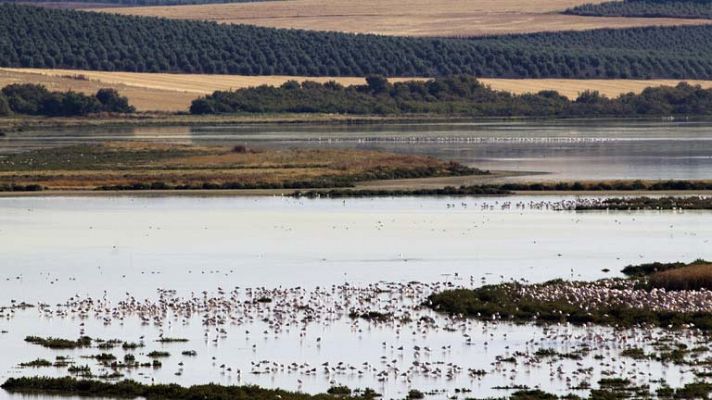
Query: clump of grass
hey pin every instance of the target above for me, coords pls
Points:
(103, 357)
(84, 371)
(131, 346)
(107, 344)
(535, 394)
(158, 354)
(339, 390)
(635, 353)
(690, 277)
(57, 343)
(375, 316)
(172, 340)
(38, 363)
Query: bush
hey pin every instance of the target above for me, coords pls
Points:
(26, 98)
(31, 99)
(112, 101)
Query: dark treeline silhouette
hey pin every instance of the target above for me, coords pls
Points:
(29, 99)
(460, 95)
(646, 8)
(133, 2)
(50, 38)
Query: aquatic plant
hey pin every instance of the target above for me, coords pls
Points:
(131, 389)
(57, 343)
(158, 354)
(131, 346)
(172, 340)
(36, 363)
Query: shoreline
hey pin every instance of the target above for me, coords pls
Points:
(16, 124)
(291, 192)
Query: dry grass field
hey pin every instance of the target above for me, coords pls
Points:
(174, 92)
(692, 277)
(88, 167)
(142, 97)
(571, 88)
(403, 17)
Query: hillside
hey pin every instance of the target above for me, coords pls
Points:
(403, 17)
(46, 38)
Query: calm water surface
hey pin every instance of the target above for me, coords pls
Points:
(112, 248)
(564, 150)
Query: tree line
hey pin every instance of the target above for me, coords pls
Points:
(646, 8)
(30, 99)
(459, 95)
(51, 38)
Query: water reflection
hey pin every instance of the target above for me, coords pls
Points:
(567, 150)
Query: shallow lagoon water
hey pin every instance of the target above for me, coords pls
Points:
(104, 247)
(564, 150)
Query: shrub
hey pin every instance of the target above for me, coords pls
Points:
(31, 99)
(111, 101)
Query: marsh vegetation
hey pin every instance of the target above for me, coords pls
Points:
(662, 299)
(147, 166)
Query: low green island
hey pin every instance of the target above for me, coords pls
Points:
(664, 295)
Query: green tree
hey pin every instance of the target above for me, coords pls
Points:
(377, 84)
(112, 101)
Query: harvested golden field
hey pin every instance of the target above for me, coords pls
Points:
(403, 17)
(139, 165)
(174, 92)
(143, 98)
(571, 88)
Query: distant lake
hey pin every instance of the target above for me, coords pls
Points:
(565, 150)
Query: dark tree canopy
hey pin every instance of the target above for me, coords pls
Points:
(49, 38)
(111, 100)
(647, 9)
(453, 96)
(30, 99)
